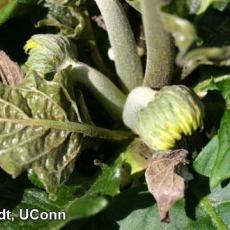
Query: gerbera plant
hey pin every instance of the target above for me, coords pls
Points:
(116, 114)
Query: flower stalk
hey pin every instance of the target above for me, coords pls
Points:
(160, 52)
(127, 61)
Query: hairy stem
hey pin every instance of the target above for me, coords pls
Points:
(127, 61)
(101, 87)
(88, 130)
(160, 52)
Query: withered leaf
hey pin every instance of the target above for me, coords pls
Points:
(10, 72)
(67, 16)
(165, 181)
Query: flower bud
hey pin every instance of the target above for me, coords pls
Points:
(173, 112)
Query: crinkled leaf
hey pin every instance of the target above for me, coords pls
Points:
(26, 143)
(165, 180)
(10, 72)
(66, 16)
(12, 8)
(68, 200)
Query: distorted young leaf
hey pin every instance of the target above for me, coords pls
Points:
(214, 79)
(10, 72)
(13, 8)
(204, 56)
(68, 200)
(48, 53)
(67, 16)
(164, 177)
(211, 47)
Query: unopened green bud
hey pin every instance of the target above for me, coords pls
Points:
(174, 111)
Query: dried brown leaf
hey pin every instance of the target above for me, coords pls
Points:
(10, 72)
(165, 181)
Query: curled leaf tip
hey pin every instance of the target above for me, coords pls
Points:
(48, 52)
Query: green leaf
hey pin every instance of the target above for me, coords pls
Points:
(40, 128)
(51, 153)
(134, 209)
(50, 53)
(182, 30)
(74, 206)
(205, 161)
(215, 79)
(213, 159)
(221, 169)
(212, 209)
(203, 40)
(12, 8)
(202, 5)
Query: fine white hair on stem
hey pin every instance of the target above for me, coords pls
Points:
(127, 61)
